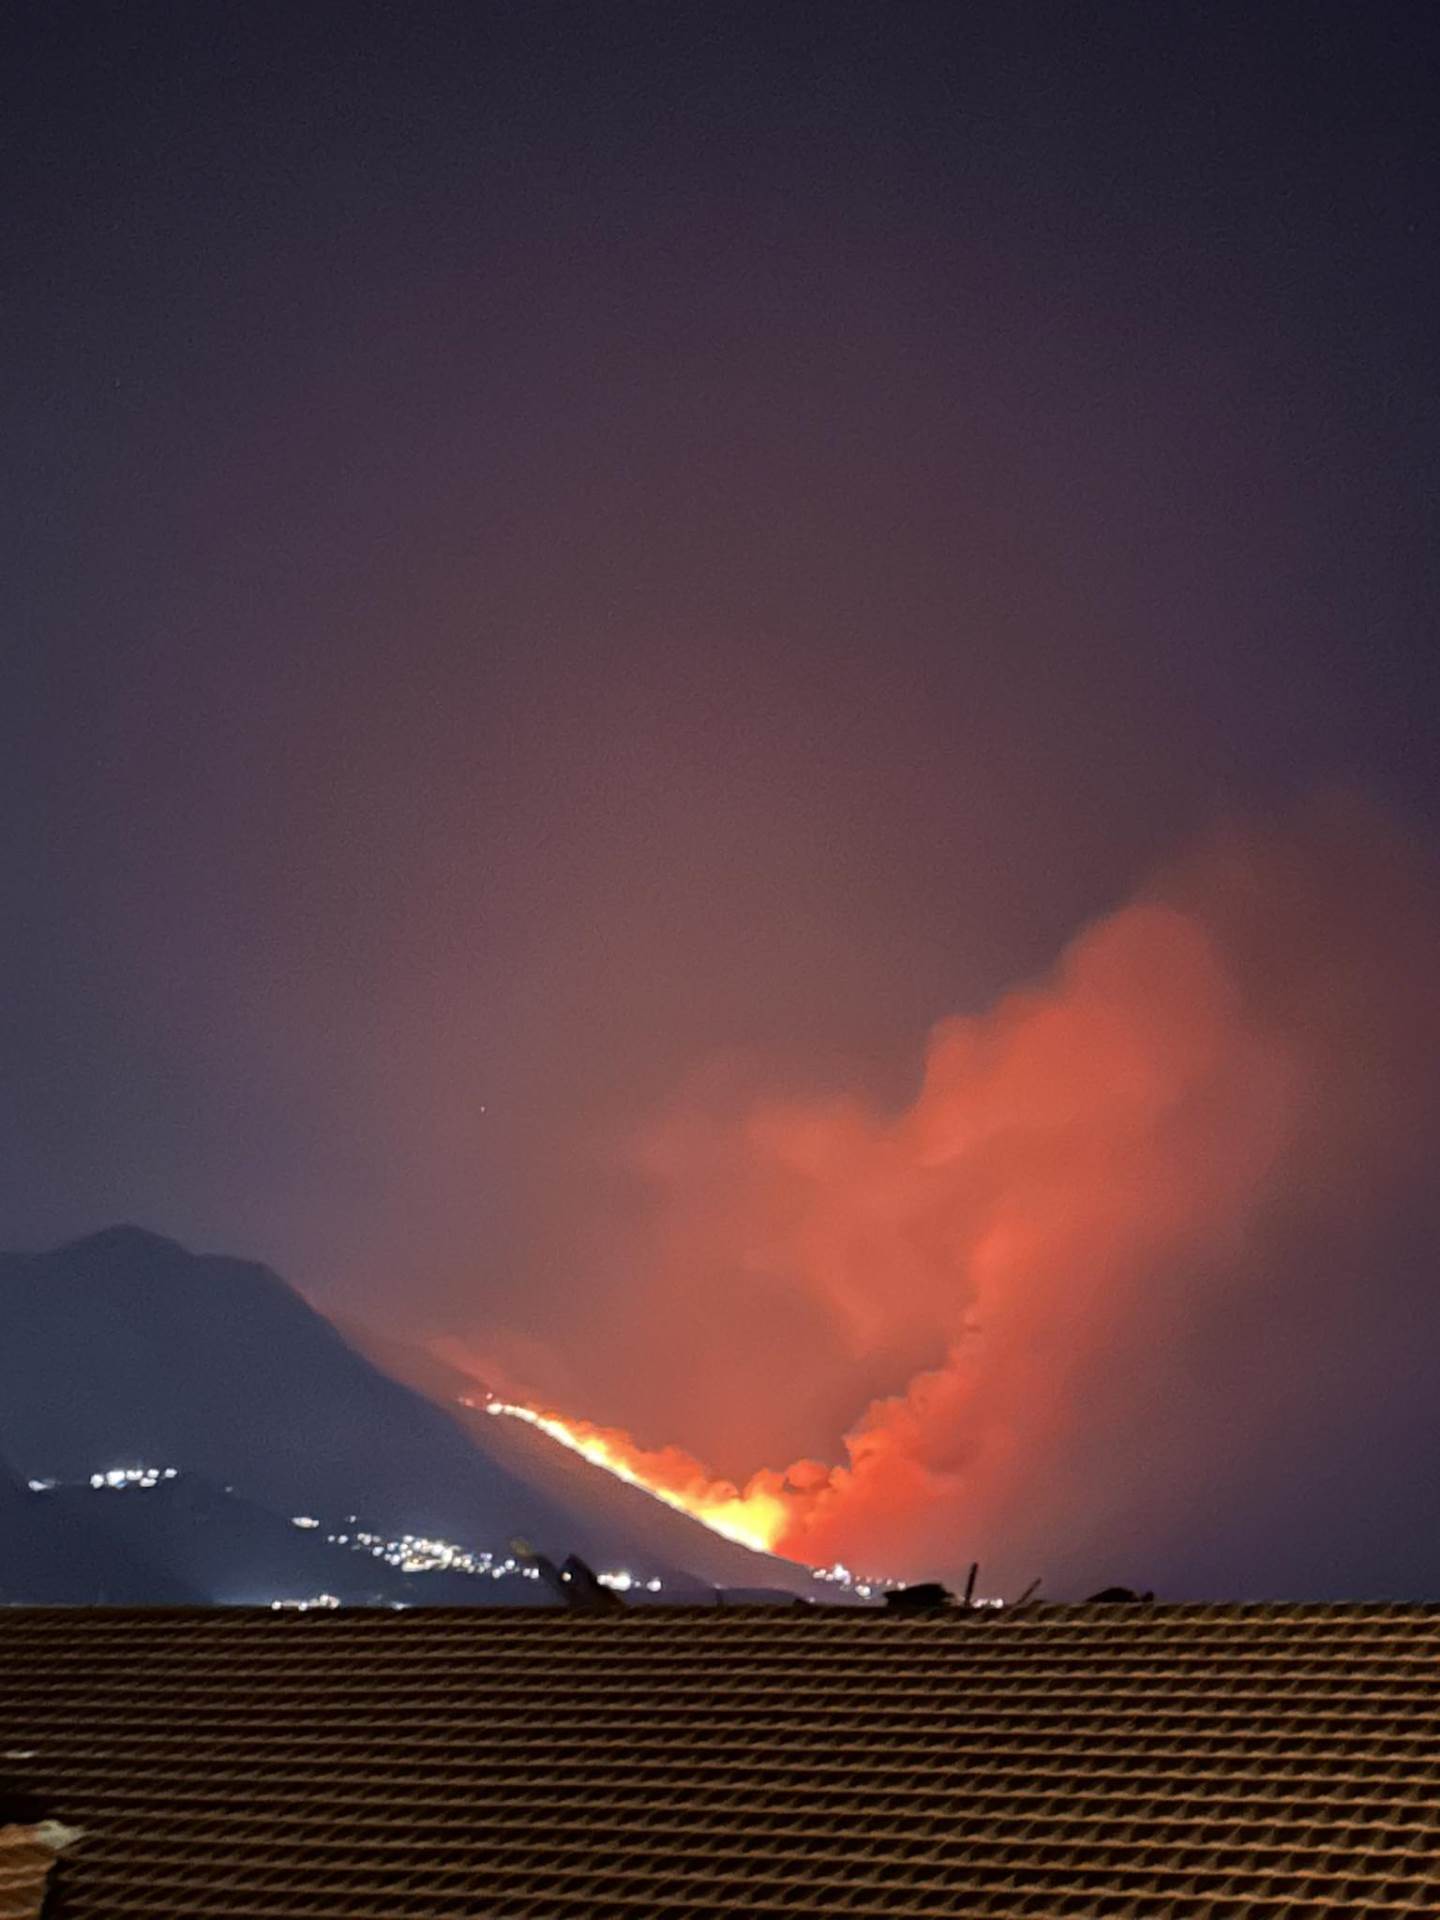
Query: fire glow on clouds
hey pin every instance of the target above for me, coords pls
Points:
(1090, 1224)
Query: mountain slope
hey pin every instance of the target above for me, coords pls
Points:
(124, 1349)
(50, 1557)
(560, 1476)
(205, 1544)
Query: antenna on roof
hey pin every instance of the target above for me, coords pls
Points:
(970, 1583)
(1033, 1588)
(586, 1588)
(574, 1585)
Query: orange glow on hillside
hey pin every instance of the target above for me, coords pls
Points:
(756, 1518)
(977, 1303)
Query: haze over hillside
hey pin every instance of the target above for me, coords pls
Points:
(124, 1349)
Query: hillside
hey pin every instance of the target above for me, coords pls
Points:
(124, 1349)
(58, 1556)
(562, 1477)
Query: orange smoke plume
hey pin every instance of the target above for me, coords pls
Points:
(1091, 1277)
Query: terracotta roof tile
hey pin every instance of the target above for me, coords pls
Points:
(1183, 1762)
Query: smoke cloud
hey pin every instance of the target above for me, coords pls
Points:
(1122, 1292)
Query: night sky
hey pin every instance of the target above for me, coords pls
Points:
(576, 577)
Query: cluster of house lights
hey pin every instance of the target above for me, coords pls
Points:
(419, 1553)
(841, 1576)
(116, 1477)
(119, 1477)
(416, 1553)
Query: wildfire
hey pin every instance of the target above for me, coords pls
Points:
(757, 1518)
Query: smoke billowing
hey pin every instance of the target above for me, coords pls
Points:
(1120, 1293)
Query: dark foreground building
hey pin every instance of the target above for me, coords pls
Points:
(678, 1765)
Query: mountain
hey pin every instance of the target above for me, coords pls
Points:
(124, 1350)
(55, 1557)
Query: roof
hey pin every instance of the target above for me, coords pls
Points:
(682, 1765)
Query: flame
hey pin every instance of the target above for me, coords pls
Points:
(758, 1518)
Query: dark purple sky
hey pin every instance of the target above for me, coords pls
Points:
(549, 544)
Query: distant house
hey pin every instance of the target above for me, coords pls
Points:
(684, 1764)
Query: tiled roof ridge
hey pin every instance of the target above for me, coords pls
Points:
(791, 1618)
(1180, 1762)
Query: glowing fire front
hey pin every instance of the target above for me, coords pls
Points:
(758, 1518)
